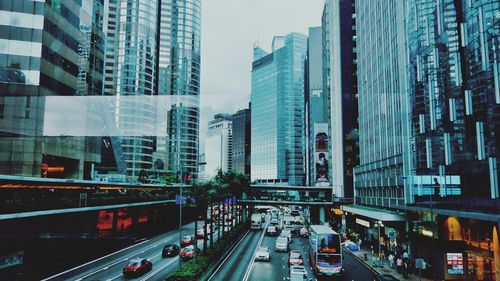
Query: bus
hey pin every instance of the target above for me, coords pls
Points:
(325, 253)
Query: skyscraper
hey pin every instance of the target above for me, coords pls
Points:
(179, 76)
(316, 125)
(154, 50)
(218, 145)
(383, 136)
(454, 91)
(277, 100)
(135, 74)
(47, 49)
(241, 141)
(340, 91)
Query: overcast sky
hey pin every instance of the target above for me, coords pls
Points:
(229, 28)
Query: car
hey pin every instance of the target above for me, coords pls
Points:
(262, 254)
(170, 250)
(271, 230)
(295, 258)
(303, 232)
(351, 246)
(298, 273)
(188, 252)
(281, 244)
(384, 277)
(274, 222)
(187, 240)
(200, 234)
(287, 233)
(136, 267)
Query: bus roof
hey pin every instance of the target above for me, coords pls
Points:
(322, 229)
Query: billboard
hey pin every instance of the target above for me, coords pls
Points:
(321, 153)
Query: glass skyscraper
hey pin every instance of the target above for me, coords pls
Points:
(179, 75)
(277, 100)
(47, 48)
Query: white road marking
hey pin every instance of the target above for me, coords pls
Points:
(127, 258)
(113, 278)
(249, 268)
(230, 253)
(153, 273)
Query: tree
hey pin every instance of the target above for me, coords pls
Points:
(143, 176)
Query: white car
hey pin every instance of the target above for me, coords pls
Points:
(298, 273)
(281, 244)
(262, 254)
(287, 233)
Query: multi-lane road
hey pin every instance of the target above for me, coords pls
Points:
(238, 265)
(109, 268)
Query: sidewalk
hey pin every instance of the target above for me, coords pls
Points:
(384, 268)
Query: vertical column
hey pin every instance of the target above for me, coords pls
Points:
(322, 215)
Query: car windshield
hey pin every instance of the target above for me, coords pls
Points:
(328, 260)
(295, 255)
(263, 249)
(133, 263)
(186, 238)
(282, 240)
(189, 248)
(271, 227)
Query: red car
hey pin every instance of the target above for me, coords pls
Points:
(200, 234)
(295, 258)
(188, 252)
(137, 267)
(187, 240)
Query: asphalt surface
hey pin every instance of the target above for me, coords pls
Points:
(239, 265)
(109, 268)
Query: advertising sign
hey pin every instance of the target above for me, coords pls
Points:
(455, 263)
(321, 155)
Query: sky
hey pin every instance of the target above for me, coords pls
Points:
(229, 29)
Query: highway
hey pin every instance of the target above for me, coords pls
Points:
(109, 267)
(239, 265)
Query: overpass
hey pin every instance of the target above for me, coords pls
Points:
(28, 196)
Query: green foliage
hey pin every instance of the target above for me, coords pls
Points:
(143, 176)
(170, 178)
(192, 270)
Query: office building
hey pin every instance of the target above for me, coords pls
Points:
(453, 72)
(277, 98)
(340, 88)
(241, 142)
(179, 76)
(47, 49)
(218, 145)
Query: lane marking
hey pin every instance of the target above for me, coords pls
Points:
(230, 253)
(113, 278)
(153, 273)
(250, 265)
(126, 258)
(98, 259)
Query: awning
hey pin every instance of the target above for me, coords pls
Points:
(374, 213)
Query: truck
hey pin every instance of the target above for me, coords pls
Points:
(256, 221)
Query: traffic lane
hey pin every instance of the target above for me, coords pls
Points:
(275, 269)
(161, 265)
(114, 263)
(235, 265)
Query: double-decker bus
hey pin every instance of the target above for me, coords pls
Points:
(325, 253)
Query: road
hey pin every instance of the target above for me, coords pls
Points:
(239, 265)
(110, 267)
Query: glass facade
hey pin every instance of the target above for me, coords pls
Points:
(47, 48)
(179, 75)
(454, 59)
(381, 62)
(277, 98)
(241, 142)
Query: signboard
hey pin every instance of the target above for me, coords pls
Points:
(321, 153)
(180, 200)
(455, 263)
(363, 222)
(11, 260)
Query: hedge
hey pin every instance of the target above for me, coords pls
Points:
(191, 270)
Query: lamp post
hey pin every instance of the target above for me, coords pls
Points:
(181, 170)
(488, 240)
